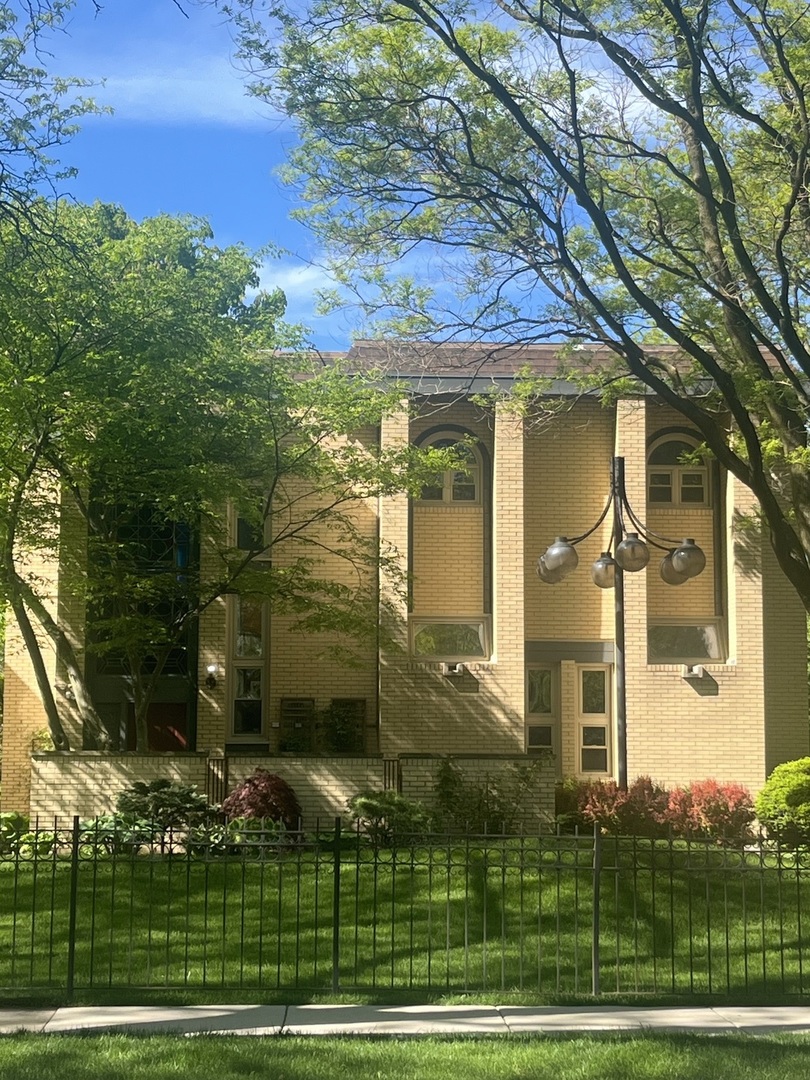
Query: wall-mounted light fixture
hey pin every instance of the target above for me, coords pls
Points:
(211, 679)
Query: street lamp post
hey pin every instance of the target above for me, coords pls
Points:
(629, 552)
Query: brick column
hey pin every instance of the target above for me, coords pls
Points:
(508, 570)
(631, 444)
(393, 524)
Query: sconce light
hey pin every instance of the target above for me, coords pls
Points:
(211, 680)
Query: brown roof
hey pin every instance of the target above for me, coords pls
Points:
(456, 359)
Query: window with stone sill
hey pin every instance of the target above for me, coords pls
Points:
(450, 639)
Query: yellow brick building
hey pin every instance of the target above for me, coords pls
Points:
(481, 659)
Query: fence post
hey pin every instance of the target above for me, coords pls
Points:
(336, 912)
(597, 884)
(72, 906)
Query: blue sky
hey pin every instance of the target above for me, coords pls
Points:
(185, 138)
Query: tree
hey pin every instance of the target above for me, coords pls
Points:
(632, 174)
(144, 405)
(38, 110)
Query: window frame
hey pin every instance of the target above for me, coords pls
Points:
(594, 720)
(550, 720)
(244, 663)
(676, 474)
(416, 622)
(716, 622)
(455, 438)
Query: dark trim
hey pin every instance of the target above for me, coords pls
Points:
(580, 652)
(675, 429)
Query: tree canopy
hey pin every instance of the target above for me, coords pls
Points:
(147, 404)
(630, 173)
(38, 110)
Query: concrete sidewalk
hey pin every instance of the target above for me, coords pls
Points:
(402, 1020)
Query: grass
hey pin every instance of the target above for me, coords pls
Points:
(469, 917)
(649, 1057)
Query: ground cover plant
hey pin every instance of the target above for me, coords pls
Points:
(469, 914)
(679, 1056)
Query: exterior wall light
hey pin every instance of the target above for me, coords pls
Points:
(211, 678)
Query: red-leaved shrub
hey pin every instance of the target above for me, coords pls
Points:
(709, 809)
(705, 809)
(264, 795)
(639, 811)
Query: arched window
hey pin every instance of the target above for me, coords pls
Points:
(461, 485)
(675, 476)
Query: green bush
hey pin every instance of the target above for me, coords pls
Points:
(12, 827)
(783, 805)
(495, 804)
(386, 816)
(163, 802)
(116, 834)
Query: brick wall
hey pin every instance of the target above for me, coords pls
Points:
(87, 783)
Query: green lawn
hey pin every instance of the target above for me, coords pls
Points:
(648, 1057)
(508, 916)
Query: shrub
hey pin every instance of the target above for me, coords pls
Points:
(385, 816)
(783, 805)
(116, 834)
(639, 811)
(12, 827)
(264, 795)
(495, 803)
(710, 809)
(252, 838)
(164, 803)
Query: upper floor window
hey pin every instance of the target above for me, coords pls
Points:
(675, 477)
(459, 485)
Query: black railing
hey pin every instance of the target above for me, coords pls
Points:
(93, 908)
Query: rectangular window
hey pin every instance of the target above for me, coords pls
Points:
(249, 665)
(693, 487)
(593, 725)
(247, 705)
(594, 753)
(671, 642)
(660, 487)
(450, 639)
(542, 712)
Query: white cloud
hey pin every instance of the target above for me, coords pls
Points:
(159, 67)
(208, 90)
(300, 281)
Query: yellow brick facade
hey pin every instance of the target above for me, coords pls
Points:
(540, 479)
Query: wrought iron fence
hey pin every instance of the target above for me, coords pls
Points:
(90, 908)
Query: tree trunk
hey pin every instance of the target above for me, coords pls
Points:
(60, 739)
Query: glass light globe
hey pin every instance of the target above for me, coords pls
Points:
(688, 559)
(669, 574)
(551, 577)
(632, 554)
(561, 555)
(603, 571)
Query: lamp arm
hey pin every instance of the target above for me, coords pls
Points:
(602, 516)
(647, 532)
